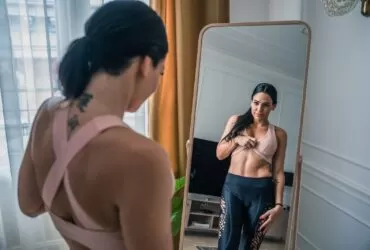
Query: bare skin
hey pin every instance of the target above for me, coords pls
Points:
(245, 162)
(110, 173)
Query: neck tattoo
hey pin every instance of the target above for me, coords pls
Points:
(73, 122)
(82, 103)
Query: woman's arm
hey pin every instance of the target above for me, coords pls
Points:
(278, 165)
(29, 196)
(225, 148)
(144, 199)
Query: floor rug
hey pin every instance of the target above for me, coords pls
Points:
(206, 248)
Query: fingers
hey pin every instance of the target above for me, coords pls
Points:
(246, 141)
(265, 225)
(251, 143)
(252, 139)
(265, 216)
(267, 219)
(242, 141)
(248, 145)
(237, 141)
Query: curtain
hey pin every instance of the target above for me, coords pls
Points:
(170, 107)
(34, 34)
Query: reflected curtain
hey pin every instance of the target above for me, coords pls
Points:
(171, 106)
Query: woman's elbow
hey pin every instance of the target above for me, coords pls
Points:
(220, 155)
(29, 207)
(32, 212)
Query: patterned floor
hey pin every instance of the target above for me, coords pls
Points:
(194, 242)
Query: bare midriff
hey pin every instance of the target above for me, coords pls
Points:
(245, 162)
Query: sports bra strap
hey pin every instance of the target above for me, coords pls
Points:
(90, 239)
(65, 151)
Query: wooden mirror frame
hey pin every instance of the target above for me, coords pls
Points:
(290, 241)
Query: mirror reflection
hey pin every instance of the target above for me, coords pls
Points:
(243, 154)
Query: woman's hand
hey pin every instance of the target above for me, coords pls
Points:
(246, 141)
(187, 145)
(269, 217)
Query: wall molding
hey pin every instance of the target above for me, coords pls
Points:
(305, 239)
(338, 182)
(341, 157)
(353, 174)
(328, 201)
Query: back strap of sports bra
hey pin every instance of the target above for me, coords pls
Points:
(66, 150)
(95, 240)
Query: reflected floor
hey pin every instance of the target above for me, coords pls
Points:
(192, 241)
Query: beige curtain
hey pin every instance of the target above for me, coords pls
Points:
(170, 107)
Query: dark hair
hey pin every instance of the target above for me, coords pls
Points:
(245, 120)
(116, 33)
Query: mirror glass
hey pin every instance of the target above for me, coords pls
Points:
(250, 96)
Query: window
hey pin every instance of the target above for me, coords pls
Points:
(28, 72)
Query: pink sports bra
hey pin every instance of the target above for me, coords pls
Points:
(91, 235)
(267, 145)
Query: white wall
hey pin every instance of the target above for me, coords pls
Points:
(285, 10)
(225, 87)
(334, 212)
(336, 171)
(249, 10)
(264, 10)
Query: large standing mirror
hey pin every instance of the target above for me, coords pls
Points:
(243, 152)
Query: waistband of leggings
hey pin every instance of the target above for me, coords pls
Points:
(249, 181)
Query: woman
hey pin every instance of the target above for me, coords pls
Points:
(105, 186)
(251, 198)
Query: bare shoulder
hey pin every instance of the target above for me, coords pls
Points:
(142, 187)
(47, 110)
(133, 156)
(43, 117)
(229, 125)
(233, 119)
(281, 134)
(137, 147)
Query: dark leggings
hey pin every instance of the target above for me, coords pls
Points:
(243, 201)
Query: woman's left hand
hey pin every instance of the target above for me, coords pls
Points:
(269, 217)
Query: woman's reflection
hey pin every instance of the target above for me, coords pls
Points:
(252, 195)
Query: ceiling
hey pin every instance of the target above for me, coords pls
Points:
(282, 48)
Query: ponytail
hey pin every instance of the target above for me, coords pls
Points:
(243, 122)
(75, 69)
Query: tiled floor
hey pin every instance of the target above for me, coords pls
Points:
(191, 241)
